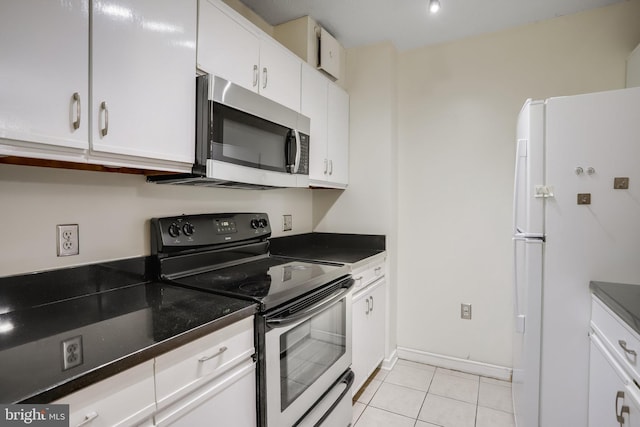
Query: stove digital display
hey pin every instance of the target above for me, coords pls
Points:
(225, 226)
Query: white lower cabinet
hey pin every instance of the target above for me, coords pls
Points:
(368, 322)
(125, 399)
(614, 394)
(613, 397)
(210, 381)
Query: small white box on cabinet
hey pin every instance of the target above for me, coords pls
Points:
(330, 53)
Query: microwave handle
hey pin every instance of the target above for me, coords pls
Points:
(296, 164)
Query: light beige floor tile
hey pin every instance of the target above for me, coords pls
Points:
(381, 374)
(374, 417)
(399, 400)
(495, 397)
(358, 409)
(410, 376)
(495, 381)
(367, 394)
(488, 417)
(458, 374)
(404, 362)
(447, 412)
(424, 424)
(455, 387)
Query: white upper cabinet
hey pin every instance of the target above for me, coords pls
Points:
(231, 47)
(44, 79)
(143, 68)
(327, 105)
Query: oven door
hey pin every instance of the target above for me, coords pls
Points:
(306, 353)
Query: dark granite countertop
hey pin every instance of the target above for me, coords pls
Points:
(623, 299)
(334, 247)
(123, 320)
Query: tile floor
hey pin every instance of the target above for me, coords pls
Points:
(417, 395)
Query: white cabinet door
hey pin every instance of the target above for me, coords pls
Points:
(368, 325)
(124, 399)
(143, 68)
(313, 104)
(279, 74)
(338, 135)
(44, 79)
(611, 392)
(226, 48)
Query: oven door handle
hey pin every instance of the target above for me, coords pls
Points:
(281, 322)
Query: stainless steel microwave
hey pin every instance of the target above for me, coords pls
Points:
(245, 140)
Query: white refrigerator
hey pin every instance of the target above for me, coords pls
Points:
(573, 223)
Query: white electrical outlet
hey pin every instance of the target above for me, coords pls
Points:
(465, 311)
(287, 222)
(68, 240)
(72, 352)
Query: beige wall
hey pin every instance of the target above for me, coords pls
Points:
(369, 204)
(457, 110)
(112, 211)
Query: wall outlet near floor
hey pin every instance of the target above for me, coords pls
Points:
(72, 352)
(465, 311)
(67, 240)
(287, 222)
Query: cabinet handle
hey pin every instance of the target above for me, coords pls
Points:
(90, 417)
(330, 167)
(368, 310)
(623, 344)
(76, 100)
(205, 358)
(265, 77)
(624, 409)
(105, 129)
(255, 75)
(371, 297)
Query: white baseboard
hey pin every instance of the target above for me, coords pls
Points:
(388, 363)
(448, 362)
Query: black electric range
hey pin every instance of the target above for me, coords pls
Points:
(228, 254)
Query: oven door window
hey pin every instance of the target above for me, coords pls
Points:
(243, 139)
(309, 349)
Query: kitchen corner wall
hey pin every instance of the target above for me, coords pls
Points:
(113, 212)
(457, 108)
(368, 205)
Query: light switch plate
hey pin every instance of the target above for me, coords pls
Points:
(287, 222)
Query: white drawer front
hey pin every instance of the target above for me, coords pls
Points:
(183, 369)
(124, 399)
(617, 335)
(371, 273)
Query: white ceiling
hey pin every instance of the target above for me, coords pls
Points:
(408, 24)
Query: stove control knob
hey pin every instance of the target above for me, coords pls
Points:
(174, 230)
(255, 223)
(263, 223)
(188, 229)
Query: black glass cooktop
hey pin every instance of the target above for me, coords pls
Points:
(270, 281)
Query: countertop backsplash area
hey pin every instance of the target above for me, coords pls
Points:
(112, 211)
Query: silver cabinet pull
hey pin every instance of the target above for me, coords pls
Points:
(76, 100)
(624, 409)
(265, 77)
(205, 358)
(330, 167)
(623, 344)
(377, 270)
(88, 418)
(326, 166)
(255, 75)
(371, 297)
(105, 129)
(368, 310)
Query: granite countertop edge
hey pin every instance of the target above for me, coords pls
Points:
(117, 366)
(598, 290)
